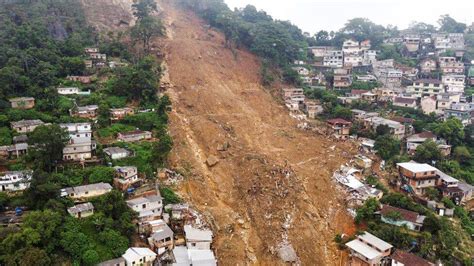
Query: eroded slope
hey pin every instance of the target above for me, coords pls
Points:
(272, 183)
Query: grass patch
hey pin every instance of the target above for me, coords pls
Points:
(113, 130)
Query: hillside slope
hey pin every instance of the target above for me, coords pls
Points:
(272, 184)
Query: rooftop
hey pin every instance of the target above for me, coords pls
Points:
(115, 150)
(22, 99)
(404, 100)
(81, 208)
(430, 81)
(192, 233)
(417, 167)
(409, 258)
(363, 249)
(375, 241)
(338, 121)
(405, 214)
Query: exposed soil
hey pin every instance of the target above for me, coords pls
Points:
(272, 184)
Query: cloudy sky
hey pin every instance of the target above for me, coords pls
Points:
(315, 15)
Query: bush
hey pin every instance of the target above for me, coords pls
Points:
(169, 197)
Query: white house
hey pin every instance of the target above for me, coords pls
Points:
(148, 207)
(197, 238)
(117, 153)
(411, 220)
(68, 90)
(81, 210)
(86, 191)
(184, 256)
(80, 145)
(139, 256)
(368, 249)
(15, 181)
(454, 83)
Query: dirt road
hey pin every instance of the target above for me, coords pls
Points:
(272, 185)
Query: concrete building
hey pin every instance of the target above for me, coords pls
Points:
(82, 210)
(397, 130)
(449, 65)
(405, 102)
(89, 111)
(134, 136)
(117, 153)
(419, 177)
(454, 83)
(334, 59)
(148, 207)
(117, 114)
(340, 128)
(462, 111)
(428, 105)
(80, 146)
(126, 176)
(368, 249)
(161, 238)
(23, 103)
(26, 126)
(15, 180)
(402, 258)
(86, 191)
(136, 256)
(401, 217)
(197, 238)
(425, 87)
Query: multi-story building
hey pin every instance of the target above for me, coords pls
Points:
(428, 65)
(342, 78)
(81, 145)
(369, 57)
(419, 177)
(390, 77)
(369, 250)
(462, 111)
(412, 43)
(448, 41)
(334, 59)
(454, 83)
(353, 60)
(340, 128)
(126, 176)
(148, 207)
(449, 65)
(350, 47)
(405, 102)
(425, 87)
(15, 180)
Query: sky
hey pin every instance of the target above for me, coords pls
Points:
(314, 15)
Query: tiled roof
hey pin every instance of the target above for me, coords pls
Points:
(406, 214)
(409, 258)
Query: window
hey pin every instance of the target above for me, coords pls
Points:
(143, 206)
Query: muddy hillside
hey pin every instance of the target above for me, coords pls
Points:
(264, 185)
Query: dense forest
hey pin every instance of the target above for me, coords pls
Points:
(41, 43)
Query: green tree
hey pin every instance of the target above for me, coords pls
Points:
(48, 143)
(451, 130)
(143, 8)
(145, 29)
(448, 24)
(161, 150)
(382, 130)
(90, 257)
(101, 174)
(432, 193)
(427, 152)
(387, 147)
(462, 154)
(367, 211)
